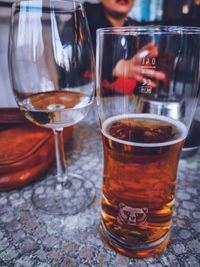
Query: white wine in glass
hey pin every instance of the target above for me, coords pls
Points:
(51, 64)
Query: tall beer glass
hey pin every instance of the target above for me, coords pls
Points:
(147, 90)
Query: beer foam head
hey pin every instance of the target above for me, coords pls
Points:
(179, 126)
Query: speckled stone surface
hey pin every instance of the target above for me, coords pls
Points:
(30, 238)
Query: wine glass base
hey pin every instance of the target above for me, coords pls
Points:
(64, 199)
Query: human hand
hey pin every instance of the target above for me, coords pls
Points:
(135, 68)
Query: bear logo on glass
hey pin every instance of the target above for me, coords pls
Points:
(131, 216)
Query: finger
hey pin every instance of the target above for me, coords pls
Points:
(148, 49)
(159, 75)
(150, 45)
(139, 78)
(149, 83)
(145, 82)
(136, 69)
(136, 60)
(153, 52)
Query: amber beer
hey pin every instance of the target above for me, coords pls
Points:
(141, 154)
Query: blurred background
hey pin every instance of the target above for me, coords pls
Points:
(167, 12)
(162, 12)
(156, 12)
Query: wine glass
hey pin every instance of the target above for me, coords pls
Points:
(51, 64)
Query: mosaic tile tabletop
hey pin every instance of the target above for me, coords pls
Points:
(30, 238)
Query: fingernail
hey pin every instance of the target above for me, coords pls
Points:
(143, 54)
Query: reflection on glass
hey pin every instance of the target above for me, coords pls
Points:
(52, 72)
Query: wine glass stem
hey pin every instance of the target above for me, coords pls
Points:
(60, 156)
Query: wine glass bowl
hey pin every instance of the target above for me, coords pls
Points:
(51, 66)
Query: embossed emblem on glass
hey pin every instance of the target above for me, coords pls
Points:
(131, 216)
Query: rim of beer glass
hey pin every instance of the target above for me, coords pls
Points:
(146, 30)
(34, 5)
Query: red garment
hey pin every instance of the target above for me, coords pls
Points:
(121, 85)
